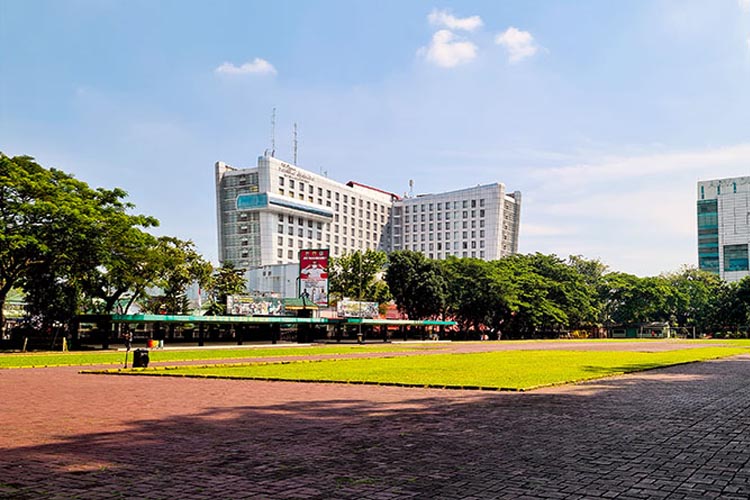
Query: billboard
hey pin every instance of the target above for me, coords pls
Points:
(245, 305)
(357, 309)
(313, 276)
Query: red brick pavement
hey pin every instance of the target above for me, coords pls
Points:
(676, 433)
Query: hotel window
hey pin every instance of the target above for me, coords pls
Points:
(280, 253)
(302, 186)
(280, 239)
(481, 202)
(290, 254)
(328, 193)
(473, 203)
(291, 183)
(310, 189)
(290, 242)
(464, 204)
(337, 195)
(481, 213)
(281, 228)
(281, 192)
(281, 181)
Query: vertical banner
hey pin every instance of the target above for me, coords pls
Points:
(313, 276)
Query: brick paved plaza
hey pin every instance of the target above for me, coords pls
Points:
(680, 432)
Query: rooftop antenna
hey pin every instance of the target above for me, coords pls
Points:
(295, 143)
(411, 188)
(273, 132)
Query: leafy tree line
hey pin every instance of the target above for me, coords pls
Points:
(524, 296)
(74, 249)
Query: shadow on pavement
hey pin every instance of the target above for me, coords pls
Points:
(656, 434)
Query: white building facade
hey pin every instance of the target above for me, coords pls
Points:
(480, 222)
(267, 214)
(724, 227)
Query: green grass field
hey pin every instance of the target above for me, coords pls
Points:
(504, 370)
(116, 358)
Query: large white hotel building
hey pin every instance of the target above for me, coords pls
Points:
(268, 213)
(724, 227)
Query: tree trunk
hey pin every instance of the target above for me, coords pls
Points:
(3, 295)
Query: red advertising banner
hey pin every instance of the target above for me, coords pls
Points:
(313, 276)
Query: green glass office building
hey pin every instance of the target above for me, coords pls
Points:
(723, 215)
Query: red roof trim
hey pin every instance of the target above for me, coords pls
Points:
(392, 195)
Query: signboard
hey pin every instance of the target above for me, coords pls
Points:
(245, 305)
(313, 276)
(252, 201)
(357, 309)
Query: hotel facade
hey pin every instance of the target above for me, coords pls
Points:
(724, 227)
(268, 213)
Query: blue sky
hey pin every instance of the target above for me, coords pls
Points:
(603, 114)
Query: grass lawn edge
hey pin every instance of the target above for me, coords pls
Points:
(163, 371)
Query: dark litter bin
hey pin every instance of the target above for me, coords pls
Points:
(140, 358)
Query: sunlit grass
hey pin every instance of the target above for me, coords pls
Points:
(116, 358)
(506, 370)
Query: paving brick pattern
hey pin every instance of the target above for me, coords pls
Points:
(676, 433)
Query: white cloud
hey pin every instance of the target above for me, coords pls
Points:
(519, 44)
(617, 208)
(744, 5)
(258, 66)
(446, 19)
(446, 51)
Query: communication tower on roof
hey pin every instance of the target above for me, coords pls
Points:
(294, 142)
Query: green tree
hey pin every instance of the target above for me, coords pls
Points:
(479, 295)
(56, 234)
(178, 266)
(357, 275)
(416, 283)
(225, 281)
(693, 297)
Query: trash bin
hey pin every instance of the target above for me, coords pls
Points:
(140, 358)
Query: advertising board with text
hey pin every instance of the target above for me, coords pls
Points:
(313, 276)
